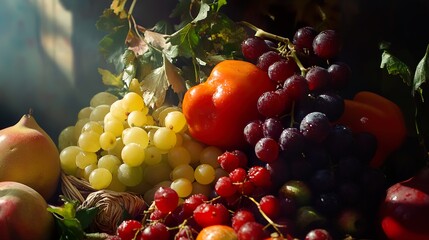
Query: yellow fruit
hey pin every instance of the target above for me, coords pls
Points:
(29, 156)
(217, 232)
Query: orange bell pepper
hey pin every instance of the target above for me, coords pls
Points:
(218, 109)
(373, 113)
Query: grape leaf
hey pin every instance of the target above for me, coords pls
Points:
(394, 66)
(156, 83)
(118, 7)
(110, 79)
(112, 45)
(421, 74)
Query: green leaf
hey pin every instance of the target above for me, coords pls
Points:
(422, 73)
(109, 21)
(110, 79)
(65, 218)
(394, 66)
(86, 216)
(220, 3)
(202, 14)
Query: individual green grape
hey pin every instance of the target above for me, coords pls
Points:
(107, 140)
(99, 112)
(95, 126)
(182, 186)
(133, 154)
(114, 126)
(84, 159)
(88, 170)
(182, 171)
(100, 178)
(164, 138)
(109, 162)
(84, 113)
(209, 156)
(78, 127)
(89, 141)
(66, 138)
(162, 114)
(175, 121)
(130, 176)
(194, 148)
(118, 111)
(117, 149)
(137, 119)
(132, 102)
(135, 135)
(68, 159)
(152, 155)
(204, 174)
(150, 121)
(178, 155)
(102, 98)
(150, 134)
(135, 86)
(156, 173)
(115, 184)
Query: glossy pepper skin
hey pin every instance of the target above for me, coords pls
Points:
(218, 109)
(373, 113)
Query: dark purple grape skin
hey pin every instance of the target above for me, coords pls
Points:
(281, 70)
(315, 127)
(291, 141)
(328, 203)
(327, 44)
(323, 180)
(318, 78)
(253, 131)
(272, 128)
(271, 104)
(303, 38)
(340, 75)
(331, 104)
(253, 47)
(340, 141)
(364, 146)
(349, 168)
(267, 59)
(296, 87)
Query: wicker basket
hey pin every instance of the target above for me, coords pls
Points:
(111, 204)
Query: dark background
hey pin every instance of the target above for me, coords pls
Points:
(363, 24)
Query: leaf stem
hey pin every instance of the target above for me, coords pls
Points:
(263, 34)
(133, 4)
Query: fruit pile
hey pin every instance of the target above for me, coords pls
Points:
(264, 147)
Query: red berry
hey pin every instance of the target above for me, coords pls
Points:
(270, 205)
(155, 231)
(241, 217)
(166, 199)
(207, 214)
(224, 187)
(128, 229)
(259, 176)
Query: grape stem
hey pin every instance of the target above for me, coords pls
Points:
(270, 222)
(266, 35)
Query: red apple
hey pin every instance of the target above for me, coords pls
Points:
(405, 210)
(23, 213)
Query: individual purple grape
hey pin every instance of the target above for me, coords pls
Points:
(340, 75)
(328, 203)
(318, 156)
(303, 38)
(350, 168)
(291, 141)
(318, 78)
(327, 44)
(267, 150)
(340, 141)
(300, 168)
(331, 104)
(272, 128)
(323, 180)
(271, 104)
(350, 193)
(365, 145)
(253, 131)
(296, 87)
(303, 107)
(279, 171)
(318, 234)
(268, 58)
(253, 47)
(288, 101)
(279, 71)
(315, 127)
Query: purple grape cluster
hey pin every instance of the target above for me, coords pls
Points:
(298, 138)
